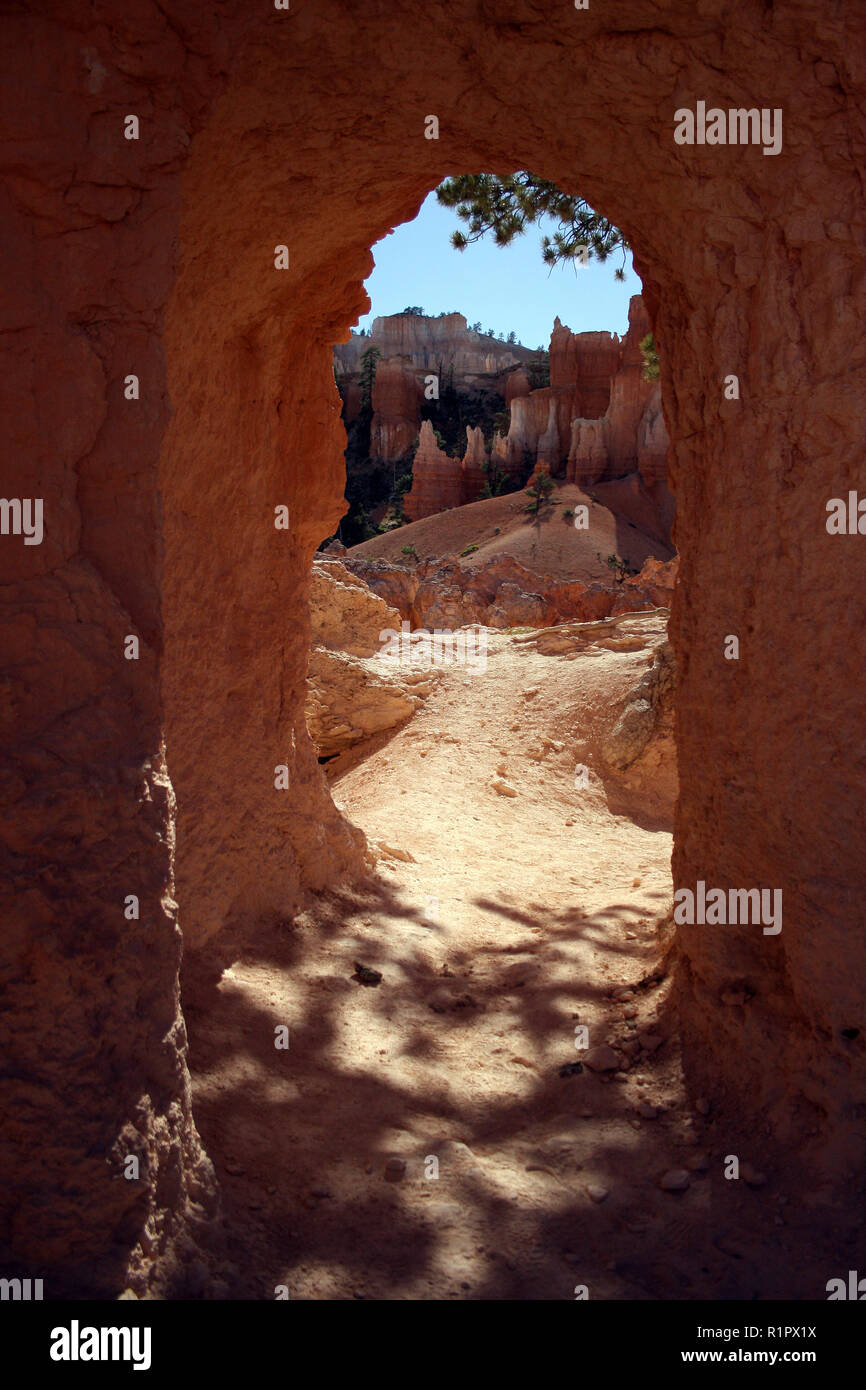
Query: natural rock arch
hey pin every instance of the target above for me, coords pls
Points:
(306, 128)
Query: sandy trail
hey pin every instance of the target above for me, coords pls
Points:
(499, 924)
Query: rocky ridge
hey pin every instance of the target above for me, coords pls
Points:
(502, 593)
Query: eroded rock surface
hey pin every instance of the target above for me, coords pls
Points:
(599, 419)
(503, 593)
(351, 693)
(345, 614)
(351, 699)
(156, 257)
(638, 721)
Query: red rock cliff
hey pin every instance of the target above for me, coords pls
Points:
(592, 375)
(414, 347)
(396, 397)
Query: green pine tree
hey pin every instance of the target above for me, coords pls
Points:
(540, 487)
(369, 358)
(505, 207)
(650, 358)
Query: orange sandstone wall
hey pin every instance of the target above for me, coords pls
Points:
(157, 257)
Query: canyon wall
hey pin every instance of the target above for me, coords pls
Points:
(396, 398)
(157, 257)
(431, 344)
(413, 347)
(599, 419)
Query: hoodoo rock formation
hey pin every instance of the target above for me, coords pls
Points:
(423, 369)
(413, 348)
(439, 481)
(598, 420)
(598, 410)
(474, 464)
(153, 779)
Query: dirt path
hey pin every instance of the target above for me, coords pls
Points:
(500, 923)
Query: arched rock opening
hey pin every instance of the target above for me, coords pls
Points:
(307, 128)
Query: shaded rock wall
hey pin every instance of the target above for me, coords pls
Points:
(474, 464)
(652, 441)
(157, 256)
(629, 395)
(588, 451)
(93, 1043)
(396, 399)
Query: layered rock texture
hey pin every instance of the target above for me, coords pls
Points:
(413, 348)
(351, 693)
(154, 778)
(600, 418)
(502, 593)
(435, 345)
(439, 481)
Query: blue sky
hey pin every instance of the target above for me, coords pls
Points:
(505, 287)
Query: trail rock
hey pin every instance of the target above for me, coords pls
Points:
(601, 1058)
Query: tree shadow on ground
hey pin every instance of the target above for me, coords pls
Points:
(301, 1138)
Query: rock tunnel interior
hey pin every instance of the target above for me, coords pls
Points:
(250, 418)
